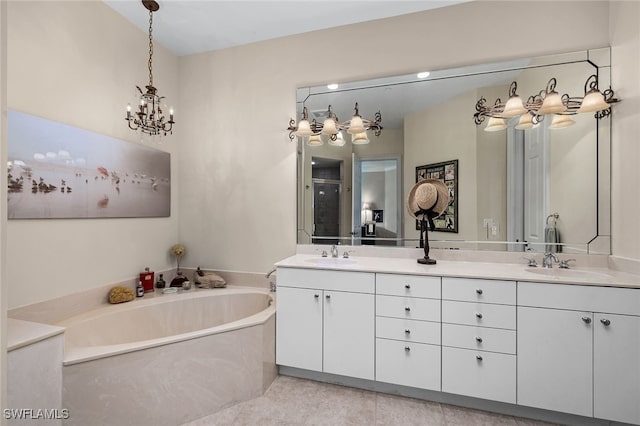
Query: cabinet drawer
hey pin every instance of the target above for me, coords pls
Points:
(408, 364)
(408, 330)
(624, 301)
(479, 314)
(478, 290)
(479, 374)
(358, 282)
(408, 285)
(479, 338)
(408, 307)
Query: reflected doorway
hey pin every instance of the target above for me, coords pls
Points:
(326, 177)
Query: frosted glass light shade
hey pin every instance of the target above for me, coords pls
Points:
(526, 122)
(314, 140)
(495, 124)
(552, 104)
(592, 102)
(356, 126)
(304, 129)
(329, 127)
(360, 139)
(561, 121)
(514, 107)
(339, 140)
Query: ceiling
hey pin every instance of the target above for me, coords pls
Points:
(193, 26)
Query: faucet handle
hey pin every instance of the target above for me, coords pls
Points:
(346, 253)
(532, 262)
(564, 264)
(324, 253)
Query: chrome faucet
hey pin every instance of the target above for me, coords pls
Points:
(272, 284)
(334, 251)
(548, 259)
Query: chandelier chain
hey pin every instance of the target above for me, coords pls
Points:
(150, 48)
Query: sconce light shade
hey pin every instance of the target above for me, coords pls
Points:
(360, 139)
(514, 107)
(561, 121)
(552, 104)
(593, 101)
(329, 127)
(526, 122)
(304, 129)
(356, 126)
(314, 140)
(339, 140)
(495, 124)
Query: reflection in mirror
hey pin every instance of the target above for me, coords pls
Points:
(544, 188)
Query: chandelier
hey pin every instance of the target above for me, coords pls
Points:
(332, 128)
(149, 117)
(546, 102)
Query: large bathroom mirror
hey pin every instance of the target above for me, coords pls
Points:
(514, 190)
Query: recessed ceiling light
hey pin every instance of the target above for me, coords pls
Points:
(332, 86)
(423, 74)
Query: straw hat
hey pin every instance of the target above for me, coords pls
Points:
(427, 196)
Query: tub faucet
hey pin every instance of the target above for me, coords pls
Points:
(272, 284)
(334, 251)
(548, 259)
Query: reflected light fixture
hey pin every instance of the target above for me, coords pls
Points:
(423, 74)
(149, 116)
(332, 127)
(332, 86)
(547, 101)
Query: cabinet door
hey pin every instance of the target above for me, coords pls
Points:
(616, 366)
(349, 338)
(299, 328)
(555, 360)
(408, 364)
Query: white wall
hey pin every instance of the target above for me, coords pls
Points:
(3, 208)
(78, 63)
(625, 149)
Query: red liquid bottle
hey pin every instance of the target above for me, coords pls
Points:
(146, 278)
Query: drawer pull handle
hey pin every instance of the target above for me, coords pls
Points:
(587, 320)
(606, 322)
(407, 286)
(407, 349)
(479, 357)
(316, 295)
(407, 331)
(478, 339)
(479, 290)
(328, 296)
(478, 315)
(407, 309)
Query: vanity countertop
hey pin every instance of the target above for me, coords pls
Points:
(467, 269)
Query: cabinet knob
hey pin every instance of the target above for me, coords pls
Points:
(407, 286)
(606, 322)
(479, 357)
(407, 309)
(479, 290)
(478, 339)
(407, 349)
(478, 315)
(316, 295)
(328, 296)
(587, 320)
(407, 331)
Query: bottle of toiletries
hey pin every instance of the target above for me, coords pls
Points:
(147, 279)
(139, 289)
(160, 283)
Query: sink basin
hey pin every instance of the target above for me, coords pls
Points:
(331, 261)
(559, 274)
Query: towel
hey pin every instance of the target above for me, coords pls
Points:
(552, 238)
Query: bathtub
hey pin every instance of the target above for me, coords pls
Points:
(167, 359)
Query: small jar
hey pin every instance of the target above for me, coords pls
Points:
(186, 285)
(160, 283)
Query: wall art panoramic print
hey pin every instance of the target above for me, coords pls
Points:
(58, 171)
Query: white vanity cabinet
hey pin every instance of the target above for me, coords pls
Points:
(579, 350)
(408, 330)
(479, 338)
(325, 321)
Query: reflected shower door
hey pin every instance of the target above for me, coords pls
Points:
(326, 211)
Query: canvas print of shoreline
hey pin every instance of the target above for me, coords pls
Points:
(58, 171)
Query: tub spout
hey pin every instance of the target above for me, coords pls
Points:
(272, 284)
(270, 273)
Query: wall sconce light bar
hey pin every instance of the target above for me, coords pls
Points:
(332, 127)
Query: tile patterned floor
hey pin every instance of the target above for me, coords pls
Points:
(291, 401)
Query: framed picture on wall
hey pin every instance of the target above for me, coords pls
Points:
(378, 216)
(446, 172)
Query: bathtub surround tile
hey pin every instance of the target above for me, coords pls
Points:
(34, 379)
(294, 401)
